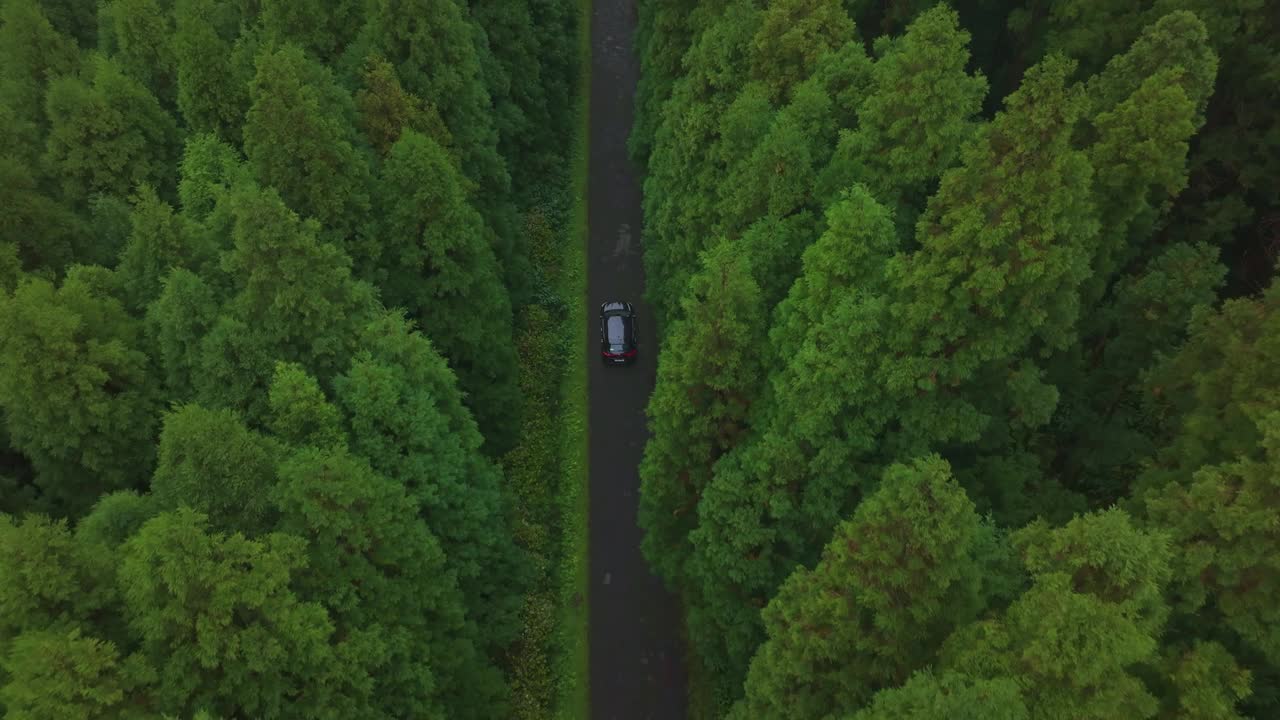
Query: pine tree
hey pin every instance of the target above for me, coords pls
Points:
(66, 674)
(159, 240)
(381, 575)
(434, 261)
(176, 324)
(300, 138)
(296, 302)
(32, 54)
(76, 390)
(405, 415)
(1092, 615)
(387, 109)
(891, 584)
(708, 373)
(912, 123)
(421, 38)
(198, 600)
(213, 90)
(143, 31)
(300, 414)
(792, 36)
(773, 502)
(323, 29)
(1212, 487)
(210, 462)
(108, 134)
(947, 696)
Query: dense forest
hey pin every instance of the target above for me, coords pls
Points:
(264, 269)
(968, 401)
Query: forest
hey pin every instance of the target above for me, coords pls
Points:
(968, 401)
(279, 321)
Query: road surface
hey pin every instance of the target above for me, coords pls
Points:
(636, 660)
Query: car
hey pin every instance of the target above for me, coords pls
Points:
(618, 344)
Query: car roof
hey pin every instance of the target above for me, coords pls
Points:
(616, 329)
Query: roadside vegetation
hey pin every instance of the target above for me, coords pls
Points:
(967, 402)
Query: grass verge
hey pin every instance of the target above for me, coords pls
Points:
(572, 696)
(547, 472)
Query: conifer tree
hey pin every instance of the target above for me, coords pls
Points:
(708, 372)
(300, 414)
(912, 123)
(66, 674)
(76, 390)
(770, 505)
(108, 134)
(379, 572)
(323, 29)
(947, 696)
(434, 262)
(387, 109)
(1092, 615)
(143, 32)
(300, 138)
(1212, 487)
(891, 584)
(405, 414)
(159, 240)
(32, 54)
(213, 89)
(210, 462)
(198, 600)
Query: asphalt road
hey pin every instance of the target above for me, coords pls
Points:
(636, 660)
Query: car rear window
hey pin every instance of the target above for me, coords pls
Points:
(615, 330)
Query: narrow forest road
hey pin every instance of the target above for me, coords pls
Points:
(636, 659)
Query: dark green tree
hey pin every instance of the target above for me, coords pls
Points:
(891, 585)
(198, 600)
(213, 89)
(159, 241)
(108, 134)
(912, 123)
(143, 32)
(947, 696)
(76, 390)
(210, 462)
(381, 575)
(405, 415)
(708, 373)
(386, 109)
(300, 138)
(434, 261)
(1092, 616)
(300, 414)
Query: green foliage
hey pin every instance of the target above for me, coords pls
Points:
(381, 575)
(322, 28)
(792, 36)
(1093, 613)
(143, 32)
(435, 262)
(32, 53)
(300, 413)
(213, 90)
(198, 600)
(108, 134)
(51, 581)
(159, 241)
(64, 675)
(917, 114)
(891, 584)
(300, 138)
(210, 462)
(707, 375)
(947, 696)
(76, 390)
(405, 415)
(386, 109)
